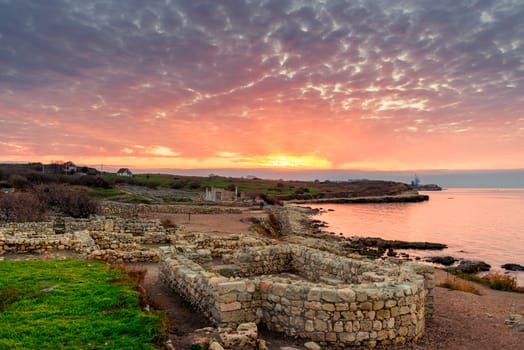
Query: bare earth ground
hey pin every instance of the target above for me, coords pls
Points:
(461, 320)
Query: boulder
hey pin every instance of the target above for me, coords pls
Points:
(513, 267)
(443, 260)
(516, 322)
(470, 266)
(245, 337)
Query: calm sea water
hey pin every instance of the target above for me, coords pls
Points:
(485, 224)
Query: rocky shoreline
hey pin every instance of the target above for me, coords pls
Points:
(375, 247)
(403, 198)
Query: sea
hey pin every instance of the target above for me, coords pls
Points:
(476, 223)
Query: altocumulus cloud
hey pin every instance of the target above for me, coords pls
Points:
(179, 76)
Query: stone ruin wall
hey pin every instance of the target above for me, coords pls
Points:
(140, 210)
(101, 238)
(386, 305)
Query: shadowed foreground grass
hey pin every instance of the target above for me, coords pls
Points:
(71, 305)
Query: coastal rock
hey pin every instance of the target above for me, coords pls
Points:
(516, 322)
(443, 260)
(470, 266)
(395, 244)
(513, 267)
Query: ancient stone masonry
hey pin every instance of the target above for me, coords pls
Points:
(103, 238)
(140, 210)
(307, 293)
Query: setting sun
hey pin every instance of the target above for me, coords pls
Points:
(292, 161)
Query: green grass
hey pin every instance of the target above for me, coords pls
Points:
(104, 193)
(90, 307)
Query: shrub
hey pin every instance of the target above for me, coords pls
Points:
(500, 281)
(51, 194)
(78, 205)
(270, 200)
(497, 281)
(20, 182)
(179, 184)
(21, 207)
(60, 198)
(91, 181)
(194, 185)
(167, 223)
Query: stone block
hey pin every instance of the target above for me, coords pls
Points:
(378, 305)
(362, 336)
(347, 337)
(312, 346)
(232, 286)
(329, 295)
(314, 294)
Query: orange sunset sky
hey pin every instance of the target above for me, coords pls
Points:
(334, 84)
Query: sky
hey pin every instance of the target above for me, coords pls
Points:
(274, 84)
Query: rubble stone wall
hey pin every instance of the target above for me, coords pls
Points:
(103, 238)
(227, 244)
(135, 210)
(305, 293)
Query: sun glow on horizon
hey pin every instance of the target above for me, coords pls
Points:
(291, 161)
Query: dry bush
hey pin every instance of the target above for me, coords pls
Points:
(167, 223)
(21, 207)
(78, 205)
(501, 281)
(261, 230)
(497, 281)
(270, 200)
(459, 284)
(20, 182)
(62, 199)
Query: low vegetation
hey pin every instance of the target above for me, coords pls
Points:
(34, 203)
(493, 280)
(109, 186)
(497, 281)
(73, 305)
(455, 283)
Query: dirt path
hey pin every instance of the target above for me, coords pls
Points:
(183, 320)
(465, 321)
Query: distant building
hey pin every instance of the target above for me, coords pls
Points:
(124, 172)
(214, 194)
(69, 167)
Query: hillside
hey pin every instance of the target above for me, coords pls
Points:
(147, 188)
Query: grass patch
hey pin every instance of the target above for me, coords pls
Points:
(455, 283)
(72, 305)
(104, 193)
(497, 281)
